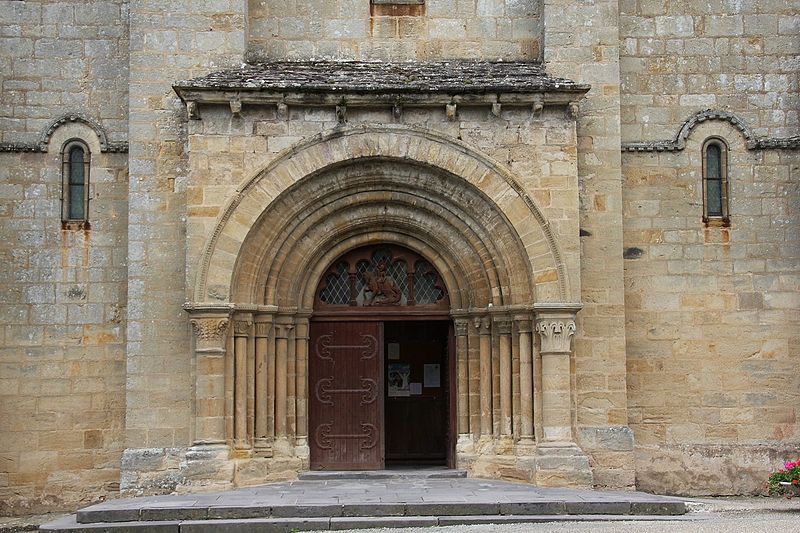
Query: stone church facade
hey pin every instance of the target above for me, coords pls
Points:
(544, 240)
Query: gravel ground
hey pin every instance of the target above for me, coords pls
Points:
(707, 515)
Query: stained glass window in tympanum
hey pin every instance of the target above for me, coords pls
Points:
(337, 286)
(425, 289)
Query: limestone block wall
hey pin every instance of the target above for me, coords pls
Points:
(182, 40)
(712, 317)
(402, 31)
(581, 42)
(62, 291)
(62, 340)
(58, 57)
(678, 58)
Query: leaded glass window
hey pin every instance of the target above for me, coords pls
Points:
(386, 276)
(75, 164)
(715, 180)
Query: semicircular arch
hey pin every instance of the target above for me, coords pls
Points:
(510, 241)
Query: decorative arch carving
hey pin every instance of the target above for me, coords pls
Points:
(509, 246)
(679, 142)
(105, 144)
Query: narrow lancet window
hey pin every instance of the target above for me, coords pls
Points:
(715, 181)
(75, 158)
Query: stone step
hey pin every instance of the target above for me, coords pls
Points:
(287, 524)
(177, 510)
(432, 473)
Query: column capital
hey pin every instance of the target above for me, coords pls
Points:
(242, 324)
(483, 325)
(282, 331)
(461, 326)
(523, 323)
(555, 333)
(503, 324)
(209, 332)
(263, 324)
(555, 324)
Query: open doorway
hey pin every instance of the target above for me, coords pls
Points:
(416, 389)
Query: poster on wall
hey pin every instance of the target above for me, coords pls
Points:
(399, 376)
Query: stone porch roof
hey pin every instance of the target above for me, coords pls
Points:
(379, 77)
(372, 82)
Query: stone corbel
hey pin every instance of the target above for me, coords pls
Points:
(574, 109)
(538, 105)
(497, 107)
(282, 110)
(341, 113)
(193, 110)
(236, 106)
(451, 111)
(397, 111)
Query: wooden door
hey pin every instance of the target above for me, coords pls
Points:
(346, 396)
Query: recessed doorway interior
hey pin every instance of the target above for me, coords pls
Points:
(416, 393)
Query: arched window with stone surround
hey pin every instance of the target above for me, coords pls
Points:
(715, 181)
(75, 164)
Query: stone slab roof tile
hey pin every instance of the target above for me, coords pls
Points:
(379, 77)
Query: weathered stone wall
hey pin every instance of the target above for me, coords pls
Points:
(62, 291)
(359, 29)
(59, 57)
(712, 317)
(62, 342)
(582, 44)
(184, 40)
(712, 311)
(682, 57)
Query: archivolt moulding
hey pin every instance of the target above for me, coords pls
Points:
(679, 142)
(326, 150)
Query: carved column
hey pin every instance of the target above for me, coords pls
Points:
(462, 371)
(484, 327)
(282, 332)
(210, 329)
(503, 326)
(263, 432)
(555, 333)
(525, 379)
(559, 460)
(301, 353)
(291, 386)
(241, 332)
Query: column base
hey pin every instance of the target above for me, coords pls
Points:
(207, 467)
(562, 464)
(262, 448)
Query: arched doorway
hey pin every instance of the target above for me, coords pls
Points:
(381, 363)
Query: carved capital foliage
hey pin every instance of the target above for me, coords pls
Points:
(556, 334)
(462, 327)
(241, 328)
(209, 332)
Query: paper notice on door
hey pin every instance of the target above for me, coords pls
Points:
(431, 376)
(416, 389)
(394, 351)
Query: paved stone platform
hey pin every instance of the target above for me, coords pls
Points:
(347, 501)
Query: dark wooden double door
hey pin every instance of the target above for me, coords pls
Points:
(370, 401)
